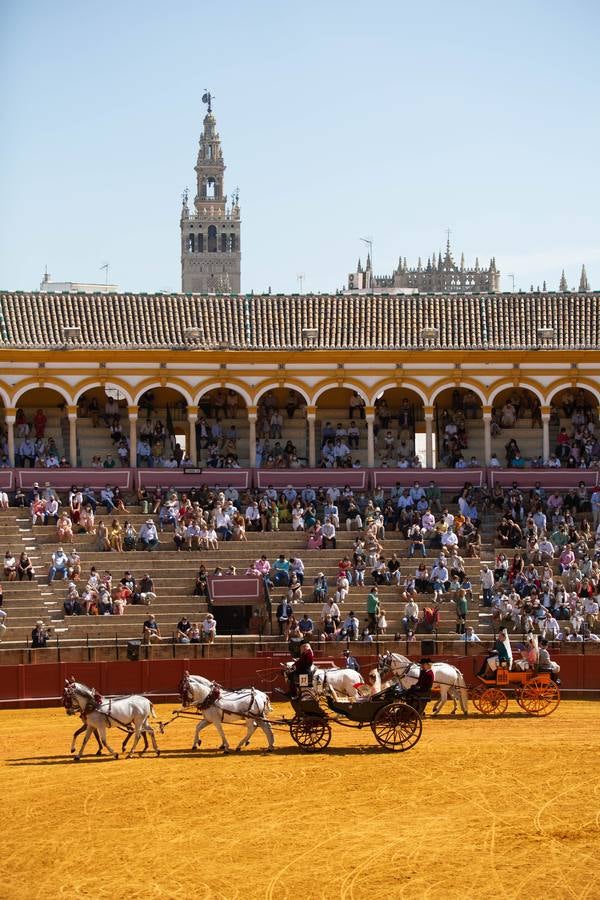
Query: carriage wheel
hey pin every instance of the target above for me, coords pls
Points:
(475, 695)
(492, 702)
(539, 698)
(397, 726)
(310, 733)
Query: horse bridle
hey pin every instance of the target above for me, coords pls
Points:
(185, 692)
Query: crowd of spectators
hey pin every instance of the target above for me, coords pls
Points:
(548, 581)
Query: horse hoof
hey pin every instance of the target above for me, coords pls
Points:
(270, 749)
(158, 752)
(117, 755)
(76, 759)
(238, 749)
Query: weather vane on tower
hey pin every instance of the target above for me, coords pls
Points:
(207, 98)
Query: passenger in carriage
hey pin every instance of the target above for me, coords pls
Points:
(500, 656)
(420, 693)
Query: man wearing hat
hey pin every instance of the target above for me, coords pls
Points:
(148, 535)
(420, 692)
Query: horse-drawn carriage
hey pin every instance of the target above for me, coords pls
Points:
(535, 692)
(395, 724)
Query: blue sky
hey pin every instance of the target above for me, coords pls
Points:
(338, 120)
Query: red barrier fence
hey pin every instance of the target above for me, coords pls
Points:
(185, 479)
(358, 479)
(242, 479)
(42, 684)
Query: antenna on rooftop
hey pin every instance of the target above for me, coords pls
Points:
(106, 268)
(300, 276)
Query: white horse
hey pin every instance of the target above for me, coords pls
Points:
(448, 678)
(128, 713)
(342, 682)
(247, 706)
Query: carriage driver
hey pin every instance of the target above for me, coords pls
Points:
(303, 666)
(421, 691)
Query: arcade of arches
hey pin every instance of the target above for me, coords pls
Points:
(256, 416)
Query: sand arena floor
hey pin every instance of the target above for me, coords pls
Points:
(480, 808)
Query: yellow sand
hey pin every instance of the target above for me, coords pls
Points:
(506, 808)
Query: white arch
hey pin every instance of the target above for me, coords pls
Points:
(331, 386)
(230, 385)
(419, 391)
(107, 384)
(5, 396)
(156, 384)
(285, 384)
(507, 386)
(48, 386)
(578, 384)
(465, 385)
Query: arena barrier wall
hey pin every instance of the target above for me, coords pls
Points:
(242, 479)
(358, 479)
(62, 479)
(42, 684)
(548, 478)
(447, 479)
(185, 479)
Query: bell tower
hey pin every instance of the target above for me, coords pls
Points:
(210, 232)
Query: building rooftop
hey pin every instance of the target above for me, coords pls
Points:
(509, 321)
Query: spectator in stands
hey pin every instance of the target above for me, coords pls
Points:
(39, 635)
(470, 636)
(151, 631)
(58, 565)
(350, 627)
(283, 614)
(410, 618)
(373, 609)
(10, 566)
(25, 567)
(306, 626)
(149, 535)
(329, 534)
(315, 537)
(106, 497)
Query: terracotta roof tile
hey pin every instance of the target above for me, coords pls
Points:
(268, 322)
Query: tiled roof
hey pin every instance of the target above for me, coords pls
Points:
(276, 322)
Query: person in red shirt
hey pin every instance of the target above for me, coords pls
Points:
(302, 666)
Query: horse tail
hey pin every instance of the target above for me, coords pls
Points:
(463, 691)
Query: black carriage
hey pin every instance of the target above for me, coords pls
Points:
(395, 724)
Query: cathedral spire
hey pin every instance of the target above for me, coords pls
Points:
(584, 284)
(563, 286)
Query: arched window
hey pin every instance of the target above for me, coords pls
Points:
(212, 238)
(223, 243)
(210, 188)
(191, 246)
(208, 154)
(200, 243)
(232, 243)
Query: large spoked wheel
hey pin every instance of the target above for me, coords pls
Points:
(492, 702)
(310, 733)
(475, 695)
(397, 726)
(539, 697)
